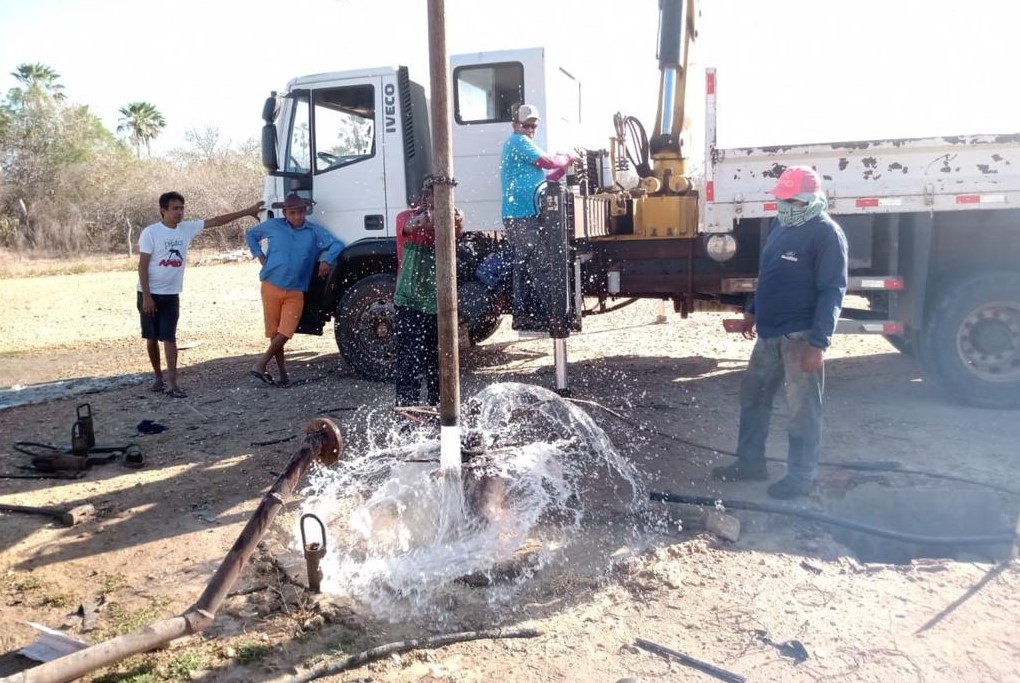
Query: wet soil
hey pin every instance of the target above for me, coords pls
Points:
(671, 387)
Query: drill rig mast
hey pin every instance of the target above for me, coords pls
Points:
(660, 202)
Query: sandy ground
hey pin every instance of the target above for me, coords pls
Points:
(163, 529)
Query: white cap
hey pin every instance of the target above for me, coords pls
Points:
(527, 111)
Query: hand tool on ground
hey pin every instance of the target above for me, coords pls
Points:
(68, 517)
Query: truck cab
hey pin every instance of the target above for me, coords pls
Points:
(358, 144)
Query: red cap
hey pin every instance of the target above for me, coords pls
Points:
(796, 180)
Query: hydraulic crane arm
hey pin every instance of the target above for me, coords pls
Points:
(676, 33)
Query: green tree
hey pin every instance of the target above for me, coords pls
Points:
(142, 123)
(41, 137)
(40, 83)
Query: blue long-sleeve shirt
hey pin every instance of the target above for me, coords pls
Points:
(292, 252)
(802, 278)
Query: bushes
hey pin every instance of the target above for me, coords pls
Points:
(102, 204)
(68, 186)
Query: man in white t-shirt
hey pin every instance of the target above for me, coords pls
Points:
(162, 254)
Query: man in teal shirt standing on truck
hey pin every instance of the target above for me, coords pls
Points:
(294, 246)
(522, 172)
(802, 277)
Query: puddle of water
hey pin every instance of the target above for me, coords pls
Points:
(403, 527)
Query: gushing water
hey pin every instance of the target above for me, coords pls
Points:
(402, 530)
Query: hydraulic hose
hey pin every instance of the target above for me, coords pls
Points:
(629, 128)
(825, 518)
(890, 467)
(610, 309)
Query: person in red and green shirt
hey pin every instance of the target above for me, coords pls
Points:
(416, 301)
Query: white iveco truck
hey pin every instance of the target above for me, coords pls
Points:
(933, 224)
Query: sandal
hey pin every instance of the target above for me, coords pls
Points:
(284, 384)
(158, 387)
(176, 393)
(264, 377)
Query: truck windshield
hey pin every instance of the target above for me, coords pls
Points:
(338, 128)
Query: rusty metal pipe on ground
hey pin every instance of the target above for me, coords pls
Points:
(323, 442)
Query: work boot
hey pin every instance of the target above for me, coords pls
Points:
(787, 488)
(740, 471)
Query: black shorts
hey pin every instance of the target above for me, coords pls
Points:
(162, 325)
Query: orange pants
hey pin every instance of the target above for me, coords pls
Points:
(281, 309)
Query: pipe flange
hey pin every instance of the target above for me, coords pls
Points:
(332, 440)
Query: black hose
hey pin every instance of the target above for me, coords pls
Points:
(609, 309)
(862, 467)
(642, 162)
(34, 448)
(825, 518)
(631, 130)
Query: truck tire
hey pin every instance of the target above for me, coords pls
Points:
(972, 340)
(365, 325)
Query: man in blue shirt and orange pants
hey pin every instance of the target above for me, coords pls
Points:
(802, 277)
(294, 246)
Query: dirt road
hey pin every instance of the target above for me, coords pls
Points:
(164, 528)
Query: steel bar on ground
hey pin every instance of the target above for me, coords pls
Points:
(711, 669)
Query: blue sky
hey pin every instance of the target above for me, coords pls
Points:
(789, 70)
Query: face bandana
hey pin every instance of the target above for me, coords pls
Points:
(791, 215)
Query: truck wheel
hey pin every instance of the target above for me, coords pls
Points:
(484, 328)
(973, 340)
(365, 327)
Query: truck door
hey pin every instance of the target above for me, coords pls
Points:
(334, 139)
(335, 143)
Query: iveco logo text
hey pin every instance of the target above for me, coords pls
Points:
(390, 100)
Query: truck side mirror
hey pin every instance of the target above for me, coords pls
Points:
(270, 108)
(269, 160)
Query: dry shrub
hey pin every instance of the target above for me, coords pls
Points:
(101, 205)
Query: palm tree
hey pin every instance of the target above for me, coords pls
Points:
(40, 82)
(142, 123)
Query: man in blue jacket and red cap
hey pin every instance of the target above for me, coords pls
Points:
(802, 278)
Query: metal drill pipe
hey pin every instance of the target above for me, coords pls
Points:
(324, 443)
(446, 248)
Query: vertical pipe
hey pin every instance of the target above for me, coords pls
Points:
(446, 251)
(560, 361)
(314, 552)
